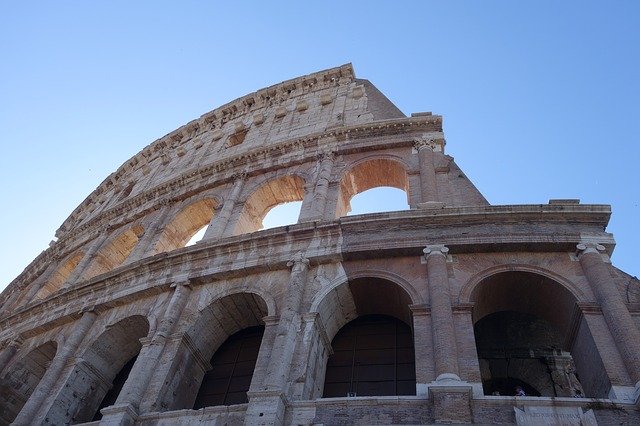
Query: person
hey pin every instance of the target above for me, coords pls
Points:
(520, 391)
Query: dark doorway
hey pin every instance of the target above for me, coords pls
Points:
(373, 355)
(233, 363)
(118, 383)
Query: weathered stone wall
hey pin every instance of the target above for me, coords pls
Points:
(118, 283)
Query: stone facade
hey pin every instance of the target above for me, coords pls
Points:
(494, 296)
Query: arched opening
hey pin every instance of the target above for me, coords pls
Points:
(373, 351)
(285, 189)
(114, 253)
(282, 214)
(17, 385)
(118, 383)
(370, 174)
(377, 200)
(189, 221)
(372, 355)
(227, 334)
(197, 236)
(232, 365)
(525, 331)
(101, 371)
(60, 276)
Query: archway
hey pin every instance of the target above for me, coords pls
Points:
(17, 385)
(524, 326)
(61, 275)
(185, 225)
(206, 369)
(374, 173)
(100, 371)
(285, 189)
(368, 321)
(115, 252)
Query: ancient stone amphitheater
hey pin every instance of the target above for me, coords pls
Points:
(432, 314)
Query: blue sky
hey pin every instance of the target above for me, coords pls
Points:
(540, 99)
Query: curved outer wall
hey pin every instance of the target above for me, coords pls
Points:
(118, 282)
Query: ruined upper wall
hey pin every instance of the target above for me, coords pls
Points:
(295, 108)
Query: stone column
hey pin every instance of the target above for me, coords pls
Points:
(141, 373)
(423, 345)
(426, 155)
(28, 414)
(144, 247)
(289, 324)
(7, 354)
(444, 339)
(267, 406)
(264, 354)
(220, 221)
(450, 396)
(88, 257)
(621, 325)
(320, 191)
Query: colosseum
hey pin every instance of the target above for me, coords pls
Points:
(451, 311)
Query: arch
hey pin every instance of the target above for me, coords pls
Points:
(363, 294)
(115, 252)
(243, 287)
(185, 224)
(215, 324)
(527, 320)
(416, 297)
(61, 275)
(283, 189)
(368, 173)
(472, 283)
(17, 385)
(98, 366)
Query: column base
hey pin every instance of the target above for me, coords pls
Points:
(451, 399)
(624, 394)
(265, 408)
(119, 415)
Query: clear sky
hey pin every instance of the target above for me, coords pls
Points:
(540, 99)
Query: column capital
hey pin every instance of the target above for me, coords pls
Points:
(271, 320)
(432, 144)
(298, 262)
(185, 283)
(239, 176)
(326, 155)
(584, 248)
(432, 249)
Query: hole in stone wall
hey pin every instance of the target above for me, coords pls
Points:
(375, 173)
(285, 189)
(115, 252)
(237, 138)
(380, 199)
(282, 214)
(197, 236)
(185, 225)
